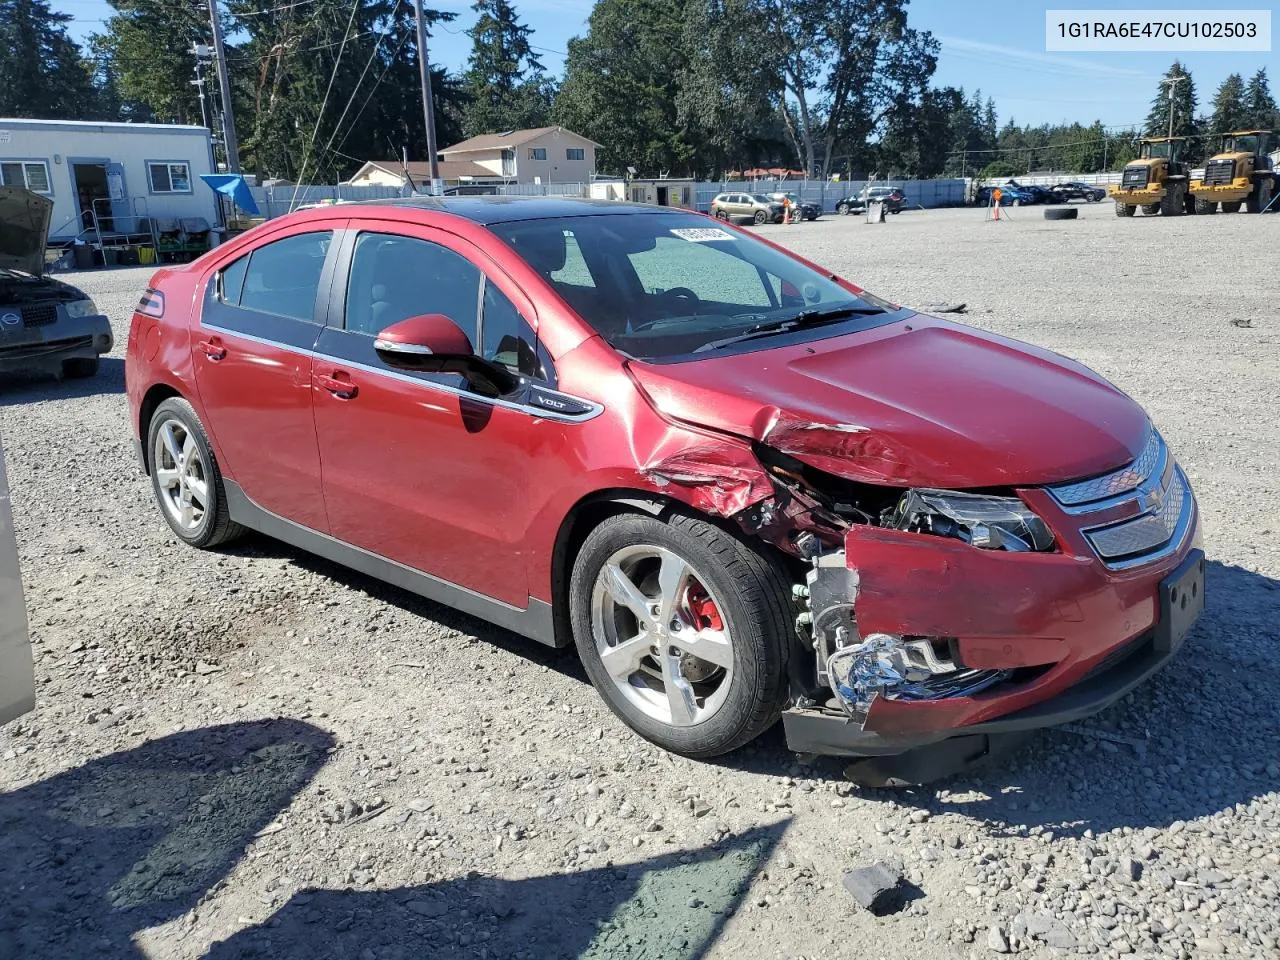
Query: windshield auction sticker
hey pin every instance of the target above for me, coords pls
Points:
(1168, 30)
(703, 234)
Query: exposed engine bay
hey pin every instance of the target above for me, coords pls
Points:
(808, 518)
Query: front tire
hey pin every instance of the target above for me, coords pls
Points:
(1150, 209)
(185, 477)
(1260, 197)
(682, 629)
(1125, 209)
(760, 217)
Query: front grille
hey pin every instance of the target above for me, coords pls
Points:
(1157, 490)
(1219, 172)
(40, 315)
(1135, 177)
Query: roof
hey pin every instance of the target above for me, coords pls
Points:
(488, 210)
(511, 138)
(420, 170)
(105, 127)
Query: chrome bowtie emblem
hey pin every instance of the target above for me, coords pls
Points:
(1152, 500)
(10, 319)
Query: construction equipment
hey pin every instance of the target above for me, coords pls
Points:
(1157, 181)
(1241, 174)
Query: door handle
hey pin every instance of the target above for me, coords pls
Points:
(339, 384)
(213, 348)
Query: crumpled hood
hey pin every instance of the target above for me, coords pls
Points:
(923, 402)
(24, 229)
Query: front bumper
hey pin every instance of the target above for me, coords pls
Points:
(1075, 634)
(37, 348)
(1238, 189)
(1138, 197)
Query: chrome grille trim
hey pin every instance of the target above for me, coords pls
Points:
(1158, 492)
(1087, 493)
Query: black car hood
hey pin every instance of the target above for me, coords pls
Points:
(18, 288)
(24, 229)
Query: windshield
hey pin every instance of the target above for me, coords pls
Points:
(1157, 149)
(1246, 144)
(658, 286)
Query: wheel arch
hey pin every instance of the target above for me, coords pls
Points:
(156, 394)
(583, 517)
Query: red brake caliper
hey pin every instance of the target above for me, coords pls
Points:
(703, 609)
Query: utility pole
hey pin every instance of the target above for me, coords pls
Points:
(229, 144)
(1173, 85)
(428, 107)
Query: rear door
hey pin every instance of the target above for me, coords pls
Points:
(261, 317)
(17, 679)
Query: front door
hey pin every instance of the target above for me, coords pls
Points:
(261, 316)
(17, 680)
(417, 468)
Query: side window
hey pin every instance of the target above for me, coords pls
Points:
(233, 281)
(394, 278)
(507, 337)
(283, 277)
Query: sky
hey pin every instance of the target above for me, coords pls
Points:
(997, 46)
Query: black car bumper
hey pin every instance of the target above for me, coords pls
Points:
(932, 755)
(37, 348)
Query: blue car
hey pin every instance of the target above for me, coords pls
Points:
(1010, 194)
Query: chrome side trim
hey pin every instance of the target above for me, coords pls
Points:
(593, 409)
(389, 346)
(534, 621)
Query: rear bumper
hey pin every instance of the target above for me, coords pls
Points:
(39, 347)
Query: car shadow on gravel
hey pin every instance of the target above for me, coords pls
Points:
(90, 857)
(564, 660)
(670, 907)
(32, 388)
(1201, 736)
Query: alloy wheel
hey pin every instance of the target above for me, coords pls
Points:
(182, 475)
(661, 636)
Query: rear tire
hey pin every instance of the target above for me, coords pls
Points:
(1205, 207)
(1150, 209)
(1125, 209)
(750, 603)
(78, 368)
(761, 217)
(185, 477)
(1232, 206)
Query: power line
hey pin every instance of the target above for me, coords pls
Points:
(327, 90)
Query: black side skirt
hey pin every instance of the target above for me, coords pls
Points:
(535, 621)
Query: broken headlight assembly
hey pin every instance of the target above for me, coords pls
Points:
(984, 521)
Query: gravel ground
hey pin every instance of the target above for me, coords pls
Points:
(256, 753)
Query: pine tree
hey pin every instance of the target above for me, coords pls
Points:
(1229, 111)
(1259, 106)
(41, 70)
(504, 82)
(146, 47)
(1184, 105)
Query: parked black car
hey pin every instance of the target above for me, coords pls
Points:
(1073, 190)
(45, 325)
(893, 199)
(808, 210)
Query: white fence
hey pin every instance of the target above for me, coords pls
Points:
(276, 201)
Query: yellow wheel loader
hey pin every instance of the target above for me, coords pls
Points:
(1241, 174)
(1156, 181)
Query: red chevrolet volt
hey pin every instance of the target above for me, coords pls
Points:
(743, 487)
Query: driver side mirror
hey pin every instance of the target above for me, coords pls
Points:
(433, 343)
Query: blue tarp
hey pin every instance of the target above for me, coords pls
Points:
(232, 185)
